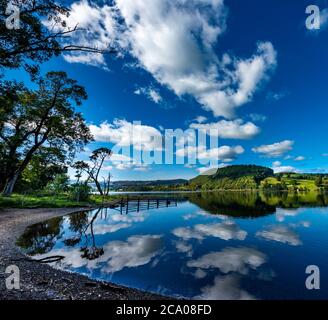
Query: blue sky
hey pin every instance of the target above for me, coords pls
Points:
(249, 65)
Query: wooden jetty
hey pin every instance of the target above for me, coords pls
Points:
(126, 205)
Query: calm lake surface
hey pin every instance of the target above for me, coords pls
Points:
(204, 246)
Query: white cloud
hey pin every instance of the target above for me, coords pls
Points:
(224, 153)
(225, 288)
(200, 119)
(235, 129)
(124, 134)
(281, 234)
(279, 168)
(136, 251)
(230, 260)
(184, 247)
(109, 228)
(274, 150)
(256, 117)
(282, 214)
(175, 42)
(209, 171)
(151, 93)
(226, 230)
(98, 27)
(299, 158)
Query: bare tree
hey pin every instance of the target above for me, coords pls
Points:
(94, 167)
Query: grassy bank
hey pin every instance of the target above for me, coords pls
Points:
(50, 201)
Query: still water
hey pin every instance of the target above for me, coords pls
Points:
(204, 246)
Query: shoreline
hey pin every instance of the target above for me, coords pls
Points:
(43, 282)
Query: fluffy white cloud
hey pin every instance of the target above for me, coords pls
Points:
(184, 247)
(235, 129)
(151, 93)
(279, 168)
(200, 119)
(174, 41)
(276, 149)
(280, 233)
(226, 230)
(224, 153)
(136, 251)
(97, 25)
(109, 228)
(124, 134)
(230, 260)
(299, 158)
(282, 214)
(225, 288)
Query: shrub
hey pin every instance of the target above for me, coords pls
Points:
(79, 192)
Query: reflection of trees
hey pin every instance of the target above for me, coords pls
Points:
(236, 204)
(41, 238)
(254, 204)
(78, 223)
(91, 252)
(288, 200)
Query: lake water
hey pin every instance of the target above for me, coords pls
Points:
(204, 246)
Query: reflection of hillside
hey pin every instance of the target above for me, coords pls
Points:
(295, 200)
(236, 204)
(253, 204)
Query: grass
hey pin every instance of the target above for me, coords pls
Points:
(49, 201)
(307, 184)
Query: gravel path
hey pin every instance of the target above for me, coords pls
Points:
(40, 281)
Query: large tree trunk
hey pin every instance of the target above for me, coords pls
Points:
(99, 188)
(10, 184)
(11, 181)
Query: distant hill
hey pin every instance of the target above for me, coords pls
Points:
(140, 185)
(232, 177)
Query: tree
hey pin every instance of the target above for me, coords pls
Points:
(36, 41)
(59, 184)
(34, 118)
(318, 181)
(93, 169)
(43, 168)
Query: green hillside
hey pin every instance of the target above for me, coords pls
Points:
(236, 177)
(249, 177)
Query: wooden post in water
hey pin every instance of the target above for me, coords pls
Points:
(148, 205)
(138, 205)
(157, 203)
(127, 205)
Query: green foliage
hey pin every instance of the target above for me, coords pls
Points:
(42, 170)
(79, 192)
(233, 172)
(45, 116)
(59, 184)
(318, 181)
(239, 177)
(34, 43)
